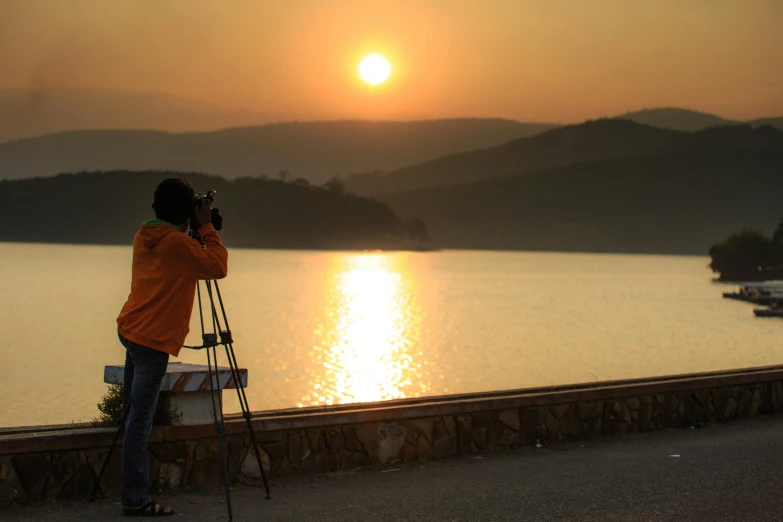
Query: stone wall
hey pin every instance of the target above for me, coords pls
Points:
(54, 463)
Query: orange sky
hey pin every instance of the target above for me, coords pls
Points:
(535, 60)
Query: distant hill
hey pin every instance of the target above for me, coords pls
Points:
(774, 122)
(38, 111)
(590, 141)
(107, 208)
(316, 151)
(680, 201)
(674, 118)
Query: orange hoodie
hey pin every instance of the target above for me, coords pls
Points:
(167, 265)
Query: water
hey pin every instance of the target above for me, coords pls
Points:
(333, 327)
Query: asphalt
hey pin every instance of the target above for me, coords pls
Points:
(728, 472)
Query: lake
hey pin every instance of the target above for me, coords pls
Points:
(338, 327)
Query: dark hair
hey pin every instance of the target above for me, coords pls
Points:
(173, 200)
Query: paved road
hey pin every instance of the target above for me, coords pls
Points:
(728, 472)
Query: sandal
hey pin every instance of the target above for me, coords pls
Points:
(150, 509)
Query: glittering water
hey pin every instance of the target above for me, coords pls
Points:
(334, 327)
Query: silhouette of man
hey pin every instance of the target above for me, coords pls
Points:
(153, 324)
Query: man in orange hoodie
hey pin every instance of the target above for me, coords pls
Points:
(153, 324)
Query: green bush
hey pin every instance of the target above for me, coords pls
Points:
(111, 406)
(110, 409)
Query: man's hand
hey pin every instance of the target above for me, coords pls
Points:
(203, 212)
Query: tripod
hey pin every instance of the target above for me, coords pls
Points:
(210, 342)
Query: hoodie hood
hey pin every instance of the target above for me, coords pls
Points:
(154, 230)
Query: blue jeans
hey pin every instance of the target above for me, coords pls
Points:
(144, 371)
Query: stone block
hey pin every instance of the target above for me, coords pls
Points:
(507, 438)
(765, 399)
(745, 401)
(249, 470)
(33, 470)
(346, 458)
(592, 428)
(11, 489)
(316, 439)
(479, 437)
(409, 453)
(483, 418)
(619, 429)
(391, 438)
(112, 477)
(493, 436)
(362, 460)
(527, 426)
(284, 469)
(266, 437)
(666, 410)
(367, 435)
(703, 397)
(729, 410)
(79, 485)
(422, 426)
(294, 455)
(423, 449)
(510, 418)
(645, 412)
(550, 424)
(349, 436)
(322, 462)
(205, 449)
(6, 468)
(755, 403)
(625, 412)
(172, 451)
(590, 410)
(276, 450)
(559, 410)
(450, 424)
(62, 466)
(776, 396)
(444, 447)
(308, 465)
(710, 413)
(170, 475)
(571, 424)
(464, 433)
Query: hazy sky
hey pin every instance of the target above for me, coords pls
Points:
(558, 60)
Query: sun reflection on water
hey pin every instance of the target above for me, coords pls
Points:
(368, 341)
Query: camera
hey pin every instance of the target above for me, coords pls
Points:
(198, 200)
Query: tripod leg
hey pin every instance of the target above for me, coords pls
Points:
(217, 411)
(232, 362)
(97, 486)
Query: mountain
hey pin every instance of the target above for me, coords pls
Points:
(680, 201)
(316, 151)
(590, 141)
(674, 118)
(685, 120)
(774, 122)
(35, 112)
(107, 208)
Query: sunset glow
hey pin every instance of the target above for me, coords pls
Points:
(374, 69)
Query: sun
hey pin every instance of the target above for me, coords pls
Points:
(374, 69)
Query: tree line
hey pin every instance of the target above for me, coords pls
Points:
(749, 255)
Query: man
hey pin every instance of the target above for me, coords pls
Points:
(153, 324)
